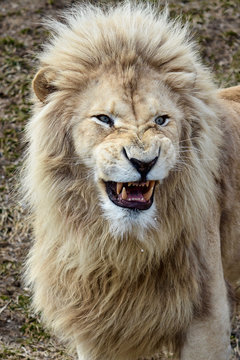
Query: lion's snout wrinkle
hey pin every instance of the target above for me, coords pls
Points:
(144, 152)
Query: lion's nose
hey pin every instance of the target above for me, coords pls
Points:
(142, 167)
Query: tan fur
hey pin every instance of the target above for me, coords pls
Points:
(121, 290)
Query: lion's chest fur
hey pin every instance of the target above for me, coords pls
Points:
(115, 299)
(139, 316)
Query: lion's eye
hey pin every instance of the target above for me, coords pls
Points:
(105, 119)
(162, 120)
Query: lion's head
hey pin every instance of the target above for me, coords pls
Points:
(121, 115)
(128, 136)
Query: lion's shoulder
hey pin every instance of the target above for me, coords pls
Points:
(232, 93)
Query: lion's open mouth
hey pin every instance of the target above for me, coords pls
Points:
(132, 195)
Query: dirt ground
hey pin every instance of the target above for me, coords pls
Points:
(216, 25)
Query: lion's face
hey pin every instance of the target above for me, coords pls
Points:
(129, 140)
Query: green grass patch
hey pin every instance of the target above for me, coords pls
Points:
(10, 41)
(26, 31)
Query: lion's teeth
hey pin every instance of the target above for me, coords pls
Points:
(147, 183)
(129, 184)
(124, 194)
(119, 187)
(152, 183)
(148, 194)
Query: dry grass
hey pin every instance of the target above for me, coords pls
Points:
(216, 25)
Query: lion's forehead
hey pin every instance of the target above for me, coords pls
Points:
(130, 106)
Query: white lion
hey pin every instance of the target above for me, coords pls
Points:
(132, 176)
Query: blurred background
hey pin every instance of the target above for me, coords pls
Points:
(216, 27)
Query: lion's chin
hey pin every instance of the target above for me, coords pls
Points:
(131, 195)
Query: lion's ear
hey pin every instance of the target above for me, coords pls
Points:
(43, 83)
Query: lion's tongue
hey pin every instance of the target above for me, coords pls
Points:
(133, 194)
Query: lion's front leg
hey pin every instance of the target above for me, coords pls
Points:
(209, 338)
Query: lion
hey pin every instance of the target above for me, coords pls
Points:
(132, 178)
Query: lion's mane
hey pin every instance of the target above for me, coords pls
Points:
(86, 281)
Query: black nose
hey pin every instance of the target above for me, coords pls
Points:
(143, 167)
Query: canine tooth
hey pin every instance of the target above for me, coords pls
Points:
(124, 194)
(119, 187)
(147, 183)
(148, 194)
(152, 183)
